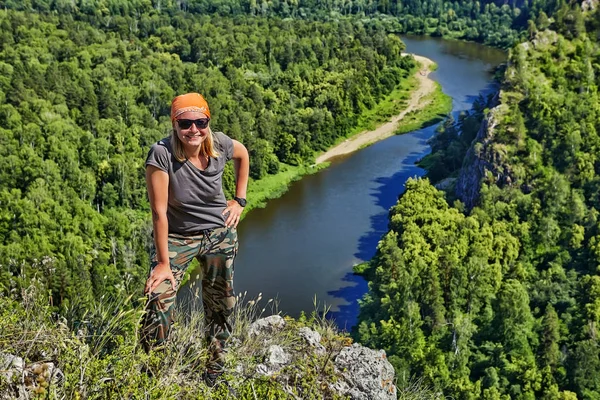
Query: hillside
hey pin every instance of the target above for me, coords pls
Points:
(495, 295)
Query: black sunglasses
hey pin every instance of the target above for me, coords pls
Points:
(187, 123)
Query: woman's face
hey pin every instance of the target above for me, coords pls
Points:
(192, 134)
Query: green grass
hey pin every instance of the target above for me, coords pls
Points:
(440, 105)
(273, 186)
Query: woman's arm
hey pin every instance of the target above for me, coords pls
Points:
(157, 182)
(241, 166)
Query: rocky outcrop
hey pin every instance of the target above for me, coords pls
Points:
(266, 326)
(478, 162)
(485, 159)
(358, 372)
(367, 374)
(589, 5)
(312, 338)
(446, 184)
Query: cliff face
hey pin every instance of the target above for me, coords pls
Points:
(487, 159)
(484, 159)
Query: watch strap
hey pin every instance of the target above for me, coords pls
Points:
(241, 201)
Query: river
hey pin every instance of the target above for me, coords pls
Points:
(302, 246)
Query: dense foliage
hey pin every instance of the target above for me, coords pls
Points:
(503, 301)
(80, 105)
(498, 23)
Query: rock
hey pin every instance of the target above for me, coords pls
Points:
(484, 159)
(263, 370)
(367, 373)
(544, 39)
(11, 370)
(354, 372)
(267, 326)
(275, 359)
(312, 338)
(10, 364)
(589, 5)
(24, 380)
(445, 184)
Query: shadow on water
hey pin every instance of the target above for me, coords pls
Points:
(489, 90)
(385, 196)
(348, 313)
(387, 192)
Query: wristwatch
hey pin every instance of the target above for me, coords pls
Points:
(242, 202)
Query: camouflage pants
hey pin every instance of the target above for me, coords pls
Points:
(215, 250)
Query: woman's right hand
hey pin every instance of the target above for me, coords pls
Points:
(160, 273)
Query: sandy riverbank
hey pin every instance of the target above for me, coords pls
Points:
(416, 102)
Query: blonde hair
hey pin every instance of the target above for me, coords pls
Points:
(207, 148)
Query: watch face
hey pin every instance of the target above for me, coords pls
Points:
(241, 202)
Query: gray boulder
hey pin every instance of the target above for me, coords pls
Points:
(12, 370)
(285, 352)
(312, 338)
(11, 365)
(266, 326)
(275, 359)
(26, 381)
(367, 374)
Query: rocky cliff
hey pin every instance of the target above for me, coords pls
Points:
(483, 159)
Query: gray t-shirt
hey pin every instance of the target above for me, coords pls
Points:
(196, 198)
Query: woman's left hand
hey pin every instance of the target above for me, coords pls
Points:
(235, 212)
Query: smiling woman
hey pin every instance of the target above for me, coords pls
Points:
(192, 219)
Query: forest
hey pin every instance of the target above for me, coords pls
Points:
(497, 23)
(497, 296)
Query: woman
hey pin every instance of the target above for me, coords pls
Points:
(191, 218)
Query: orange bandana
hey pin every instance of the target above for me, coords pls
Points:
(189, 102)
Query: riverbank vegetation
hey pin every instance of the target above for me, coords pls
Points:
(391, 105)
(495, 295)
(438, 106)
